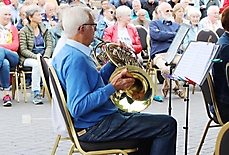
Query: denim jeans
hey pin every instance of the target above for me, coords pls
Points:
(156, 133)
(8, 59)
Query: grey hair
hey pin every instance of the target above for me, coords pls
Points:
(193, 11)
(212, 8)
(74, 17)
(60, 10)
(31, 10)
(122, 10)
(141, 10)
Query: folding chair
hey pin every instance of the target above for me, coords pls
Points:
(14, 73)
(209, 99)
(113, 147)
(222, 141)
(44, 76)
(22, 71)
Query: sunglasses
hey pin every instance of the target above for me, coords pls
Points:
(112, 12)
(168, 10)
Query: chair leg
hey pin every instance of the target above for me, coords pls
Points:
(193, 89)
(71, 151)
(17, 89)
(23, 86)
(203, 137)
(56, 145)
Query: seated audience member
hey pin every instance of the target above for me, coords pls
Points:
(108, 20)
(124, 2)
(41, 4)
(49, 18)
(178, 14)
(205, 4)
(155, 14)
(212, 20)
(136, 4)
(35, 40)
(95, 113)
(225, 4)
(194, 16)
(28, 2)
(100, 15)
(9, 44)
(150, 7)
(221, 88)
(14, 6)
(57, 30)
(22, 21)
(162, 32)
(141, 19)
(184, 3)
(173, 2)
(122, 31)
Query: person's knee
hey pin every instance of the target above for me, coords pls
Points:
(171, 122)
(6, 64)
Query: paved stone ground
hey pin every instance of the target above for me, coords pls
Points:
(26, 129)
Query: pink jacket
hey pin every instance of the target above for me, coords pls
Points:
(111, 34)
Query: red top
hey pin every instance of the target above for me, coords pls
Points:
(111, 34)
(7, 2)
(13, 46)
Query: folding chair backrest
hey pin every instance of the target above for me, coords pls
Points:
(204, 34)
(222, 141)
(142, 32)
(209, 98)
(220, 32)
(44, 75)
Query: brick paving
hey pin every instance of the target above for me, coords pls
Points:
(26, 129)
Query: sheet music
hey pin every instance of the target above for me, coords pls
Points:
(196, 61)
(175, 45)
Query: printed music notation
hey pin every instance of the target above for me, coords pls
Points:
(196, 61)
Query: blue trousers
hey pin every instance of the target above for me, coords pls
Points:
(156, 133)
(8, 59)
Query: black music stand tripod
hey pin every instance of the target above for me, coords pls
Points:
(171, 67)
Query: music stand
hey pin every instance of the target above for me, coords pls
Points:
(193, 68)
(171, 53)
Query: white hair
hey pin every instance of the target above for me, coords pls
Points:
(74, 17)
(122, 10)
(212, 8)
(3, 7)
(47, 4)
(136, 1)
(194, 11)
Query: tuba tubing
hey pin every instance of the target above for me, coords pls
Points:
(141, 93)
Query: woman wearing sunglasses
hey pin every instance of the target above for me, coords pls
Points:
(35, 40)
(122, 31)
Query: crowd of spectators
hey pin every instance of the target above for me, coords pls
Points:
(39, 24)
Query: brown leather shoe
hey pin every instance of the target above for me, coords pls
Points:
(165, 88)
(180, 93)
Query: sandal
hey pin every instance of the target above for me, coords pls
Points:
(180, 93)
(165, 88)
(158, 98)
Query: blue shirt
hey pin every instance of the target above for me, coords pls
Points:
(88, 91)
(161, 36)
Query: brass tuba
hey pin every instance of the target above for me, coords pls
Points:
(141, 93)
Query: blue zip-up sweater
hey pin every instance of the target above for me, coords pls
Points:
(161, 36)
(87, 89)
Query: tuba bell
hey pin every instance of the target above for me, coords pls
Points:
(141, 93)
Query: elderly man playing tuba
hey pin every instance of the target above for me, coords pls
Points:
(88, 94)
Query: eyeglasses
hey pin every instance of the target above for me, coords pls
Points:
(94, 25)
(111, 12)
(168, 10)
